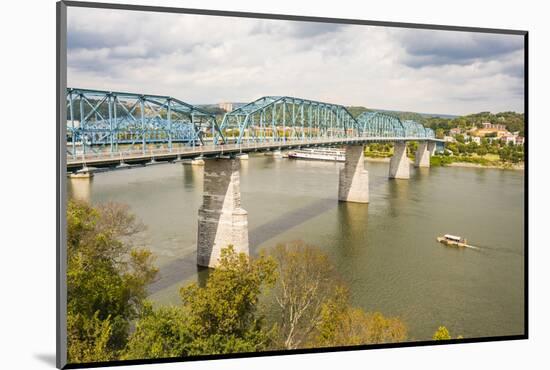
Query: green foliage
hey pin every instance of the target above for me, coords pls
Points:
(378, 150)
(511, 120)
(341, 324)
(511, 153)
(412, 147)
(88, 338)
(221, 317)
(508, 153)
(160, 333)
(442, 333)
(106, 278)
(226, 306)
(438, 160)
(481, 151)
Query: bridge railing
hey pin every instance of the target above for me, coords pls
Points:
(214, 149)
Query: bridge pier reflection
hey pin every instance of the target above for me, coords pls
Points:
(222, 221)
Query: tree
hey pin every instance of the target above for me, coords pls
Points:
(343, 325)
(471, 147)
(481, 151)
(306, 280)
(106, 279)
(441, 334)
(88, 338)
(160, 333)
(221, 317)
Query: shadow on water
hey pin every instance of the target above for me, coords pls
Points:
(181, 269)
(353, 219)
(288, 220)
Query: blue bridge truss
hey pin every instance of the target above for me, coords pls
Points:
(108, 122)
(379, 124)
(98, 119)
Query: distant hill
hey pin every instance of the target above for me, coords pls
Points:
(356, 110)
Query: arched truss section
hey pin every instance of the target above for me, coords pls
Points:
(108, 120)
(284, 118)
(383, 125)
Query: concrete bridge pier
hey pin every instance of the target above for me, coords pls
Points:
(431, 147)
(399, 163)
(353, 185)
(422, 155)
(222, 221)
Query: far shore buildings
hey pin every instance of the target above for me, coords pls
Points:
(489, 130)
(455, 131)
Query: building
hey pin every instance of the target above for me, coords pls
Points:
(476, 139)
(510, 138)
(449, 139)
(228, 107)
(455, 131)
(513, 138)
(520, 140)
(490, 126)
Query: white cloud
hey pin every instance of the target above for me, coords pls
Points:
(208, 59)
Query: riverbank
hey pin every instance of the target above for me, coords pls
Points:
(499, 166)
(378, 159)
(505, 166)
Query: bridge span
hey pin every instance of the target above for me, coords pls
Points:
(106, 128)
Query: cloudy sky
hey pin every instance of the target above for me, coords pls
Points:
(209, 59)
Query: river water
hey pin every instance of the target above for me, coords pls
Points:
(385, 250)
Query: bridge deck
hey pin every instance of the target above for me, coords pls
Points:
(138, 156)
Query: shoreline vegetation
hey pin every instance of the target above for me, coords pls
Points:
(500, 166)
(458, 163)
(289, 297)
(505, 160)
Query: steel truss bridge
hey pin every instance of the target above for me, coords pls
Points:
(107, 127)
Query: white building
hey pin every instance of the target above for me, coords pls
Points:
(228, 107)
